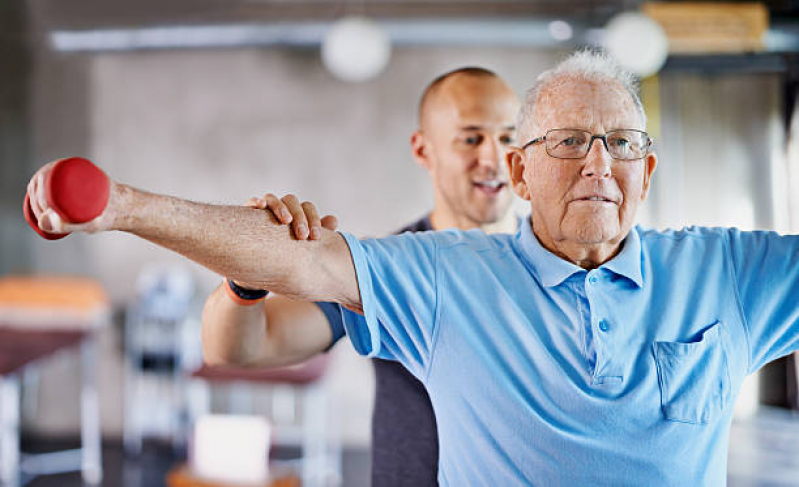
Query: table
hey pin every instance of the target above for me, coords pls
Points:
(40, 316)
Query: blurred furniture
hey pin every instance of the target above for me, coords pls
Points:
(182, 477)
(155, 352)
(296, 389)
(40, 316)
(796, 380)
(763, 449)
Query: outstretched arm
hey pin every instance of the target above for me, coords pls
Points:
(244, 244)
(279, 330)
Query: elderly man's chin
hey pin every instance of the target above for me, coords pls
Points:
(592, 230)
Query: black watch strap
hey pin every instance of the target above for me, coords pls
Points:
(246, 294)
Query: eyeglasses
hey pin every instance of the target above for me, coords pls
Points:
(623, 145)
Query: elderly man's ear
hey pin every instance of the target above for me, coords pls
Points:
(516, 165)
(651, 162)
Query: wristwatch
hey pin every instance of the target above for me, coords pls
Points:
(244, 296)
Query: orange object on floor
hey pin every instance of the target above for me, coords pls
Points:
(182, 477)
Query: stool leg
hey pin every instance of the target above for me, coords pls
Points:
(91, 438)
(314, 468)
(198, 403)
(9, 436)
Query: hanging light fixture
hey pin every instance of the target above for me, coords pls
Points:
(637, 42)
(356, 49)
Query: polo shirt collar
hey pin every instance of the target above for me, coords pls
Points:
(628, 263)
(553, 270)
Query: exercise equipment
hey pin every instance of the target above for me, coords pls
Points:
(76, 189)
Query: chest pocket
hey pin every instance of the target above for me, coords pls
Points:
(693, 377)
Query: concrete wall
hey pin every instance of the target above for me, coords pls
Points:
(15, 132)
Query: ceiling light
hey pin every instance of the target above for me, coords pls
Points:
(355, 49)
(637, 42)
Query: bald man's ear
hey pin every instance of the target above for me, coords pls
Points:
(420, 150)
(516, 164)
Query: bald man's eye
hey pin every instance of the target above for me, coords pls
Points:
(506, 140)
(473, 139)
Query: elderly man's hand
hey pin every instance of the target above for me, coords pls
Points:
(49, 219)
(303, 217)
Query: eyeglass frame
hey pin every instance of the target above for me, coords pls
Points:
(603, 137)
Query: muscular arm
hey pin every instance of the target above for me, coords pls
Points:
(280, 331)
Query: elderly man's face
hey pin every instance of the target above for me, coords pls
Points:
(588, 202)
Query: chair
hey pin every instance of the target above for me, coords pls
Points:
(155, 349)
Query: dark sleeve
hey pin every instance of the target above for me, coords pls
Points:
(332, 312)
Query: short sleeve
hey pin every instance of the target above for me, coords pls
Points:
(397, 283)
(766, 272)
(332, 312)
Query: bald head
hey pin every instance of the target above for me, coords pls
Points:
(452, 88)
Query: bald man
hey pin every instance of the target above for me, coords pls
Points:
(466, 124)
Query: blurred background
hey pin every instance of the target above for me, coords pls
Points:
(221, 100)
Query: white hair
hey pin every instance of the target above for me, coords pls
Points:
(585, 65)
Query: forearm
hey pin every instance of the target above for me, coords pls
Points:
(279, 331)
(232, 334)
(240, 243)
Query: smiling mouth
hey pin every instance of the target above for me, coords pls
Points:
(491, 187)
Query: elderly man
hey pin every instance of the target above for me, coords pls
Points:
(581, 351)
(466, 124)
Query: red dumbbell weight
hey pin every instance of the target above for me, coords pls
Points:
(76, 189)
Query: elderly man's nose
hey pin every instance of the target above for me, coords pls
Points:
(597, 161)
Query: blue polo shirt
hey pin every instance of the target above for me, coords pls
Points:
(541, 373)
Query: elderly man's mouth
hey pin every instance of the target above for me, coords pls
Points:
(595, 199)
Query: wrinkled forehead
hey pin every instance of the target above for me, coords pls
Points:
(590, 105)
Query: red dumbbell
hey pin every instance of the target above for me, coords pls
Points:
(76, 189)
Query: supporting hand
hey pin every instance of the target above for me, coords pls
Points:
(303, 217)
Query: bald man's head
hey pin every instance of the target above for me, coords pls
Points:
(466, 123)
(434, 90)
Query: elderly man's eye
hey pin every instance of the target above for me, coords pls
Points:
(570, 142)
(620, 142)
(506, 140)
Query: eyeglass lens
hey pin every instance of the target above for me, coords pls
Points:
(574, 144)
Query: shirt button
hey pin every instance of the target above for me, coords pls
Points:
(592, 279)
(603, 325)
